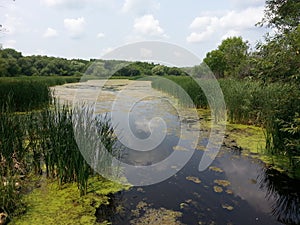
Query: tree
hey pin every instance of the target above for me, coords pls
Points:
(216, 62)
(158, 70)
(279, 57)
(284, 15)
(228, 60)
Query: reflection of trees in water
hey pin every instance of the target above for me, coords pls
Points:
(285, 191)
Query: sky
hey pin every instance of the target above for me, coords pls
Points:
(91, 28)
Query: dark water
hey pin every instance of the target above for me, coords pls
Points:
(260, 195)
(237, 189)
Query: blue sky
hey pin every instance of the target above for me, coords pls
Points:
(90, 28)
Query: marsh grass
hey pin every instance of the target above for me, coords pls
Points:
(28, 93)
(43, 142)
(12, 161)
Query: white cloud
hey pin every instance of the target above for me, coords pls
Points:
(146, 53)
(12, 24)
(50, 32)
(243, 19)
(79, 4)
(230, 23)
(147, 25)
(107, 50)
(140, 6)
(200, 37)
(9, 44)
(100, 35)
(231, 33)
(66, 3)
(247, 3)
(200, 22)
(75, 27)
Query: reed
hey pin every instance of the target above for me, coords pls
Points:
(44, 142)
(12, 161)
(29, 93)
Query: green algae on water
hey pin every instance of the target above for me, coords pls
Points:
(51, 204)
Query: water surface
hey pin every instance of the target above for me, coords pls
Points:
(235, 189)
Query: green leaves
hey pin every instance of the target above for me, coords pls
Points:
(229, 59)
(284, 15)
(279, 59)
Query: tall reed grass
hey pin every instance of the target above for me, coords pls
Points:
(45, 142)
(12, 161)
(28, 93)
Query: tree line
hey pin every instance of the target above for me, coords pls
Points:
(14, 64)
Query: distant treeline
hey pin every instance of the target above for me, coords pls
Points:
(14, 64)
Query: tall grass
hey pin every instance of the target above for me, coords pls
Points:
(191, 88)
(28, 93)
(58, 138)
(45, 142)
(12, 161)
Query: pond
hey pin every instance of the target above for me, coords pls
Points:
(234, 189)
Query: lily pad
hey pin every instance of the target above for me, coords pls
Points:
(218, 189)
(223, 183)
(216, 169)
(183, 205)
(179, 148)
(228, 207)
(194, 179)
(160, 216)
(230, 192)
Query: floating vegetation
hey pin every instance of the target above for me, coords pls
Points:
(183, 205)
(223, 183)
(201, 148)
(160, 216)
(179, 148)
(140, 190)
(142, 205)
(52, 204)
(194, 179)
(216, 169)
(230, 192)
(228, 207)
(218, 189)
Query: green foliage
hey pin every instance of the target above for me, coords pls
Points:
(158, 70)
(216, 61)
(230, 57)
(14, 64)
(279, 58)
(282, 14)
